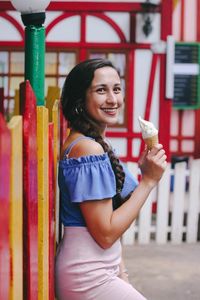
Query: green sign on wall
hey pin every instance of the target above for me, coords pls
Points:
(187, 76)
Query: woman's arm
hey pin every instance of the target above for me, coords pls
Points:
(106, 225)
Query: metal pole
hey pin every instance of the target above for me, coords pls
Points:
(35, 59)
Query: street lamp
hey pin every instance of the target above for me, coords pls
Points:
(33, 17)
(149, 9)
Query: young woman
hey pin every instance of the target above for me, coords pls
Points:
(99, 197)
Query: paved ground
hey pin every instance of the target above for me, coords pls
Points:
(165, 272)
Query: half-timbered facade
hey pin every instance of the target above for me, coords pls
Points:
(114, 29)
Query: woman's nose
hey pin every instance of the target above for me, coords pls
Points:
(111, 98)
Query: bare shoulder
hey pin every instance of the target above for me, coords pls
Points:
(86, 147)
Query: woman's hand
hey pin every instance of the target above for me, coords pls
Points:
(124, 276)
(153, 164)
(123, 272)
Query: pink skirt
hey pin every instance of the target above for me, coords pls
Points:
(85, 271)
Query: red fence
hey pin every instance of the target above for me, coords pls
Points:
(5, 162)
(40, 199)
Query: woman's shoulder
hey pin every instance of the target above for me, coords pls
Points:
(86, 147)
(82, 146)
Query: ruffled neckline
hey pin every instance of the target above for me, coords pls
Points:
(84, 160)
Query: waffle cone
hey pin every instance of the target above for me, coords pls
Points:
(152, 141)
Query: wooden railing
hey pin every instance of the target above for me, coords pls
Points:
(29, 150)
(177, 202)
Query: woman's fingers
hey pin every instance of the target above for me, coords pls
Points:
(153, 163)
(142, 156)
(155, 149)
(160, 154)
(164, 165)
(158, 157)
(163, 158)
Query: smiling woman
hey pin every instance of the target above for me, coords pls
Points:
(91, 100)
(99, 197)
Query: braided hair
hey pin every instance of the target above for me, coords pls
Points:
(73, 107)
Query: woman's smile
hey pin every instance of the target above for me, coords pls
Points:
(110, 111)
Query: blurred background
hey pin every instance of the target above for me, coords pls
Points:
(155, 46)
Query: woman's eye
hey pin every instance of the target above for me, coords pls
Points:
(101, 90)
(117, 89)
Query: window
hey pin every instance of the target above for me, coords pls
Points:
(11, 75)
(57, 66)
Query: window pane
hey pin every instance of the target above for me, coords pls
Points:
(17, 62)
(50, 63)
(121, 116)
(11, 106)
(49, 82)
(4, 84)
(119, 61)
(123, 85)
(187, 146)
(66, 62)
(4, 70)
(14, 84)
(5, 105)
(97, 55)
(61, 82)
(3, 62)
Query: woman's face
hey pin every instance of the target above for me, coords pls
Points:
(104, 97)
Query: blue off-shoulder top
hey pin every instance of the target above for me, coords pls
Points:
(87, 178)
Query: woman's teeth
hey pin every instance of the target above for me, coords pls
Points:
(109, 109)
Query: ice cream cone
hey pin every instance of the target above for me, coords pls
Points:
(149, 133)
(151, 141)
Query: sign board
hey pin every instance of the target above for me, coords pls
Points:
(186, 76)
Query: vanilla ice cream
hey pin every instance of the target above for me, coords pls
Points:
(149, 133)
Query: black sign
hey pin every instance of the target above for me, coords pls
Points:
(186, 54)
(185, 90)
(186, 93)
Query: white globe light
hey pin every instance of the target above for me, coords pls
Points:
(30, 6)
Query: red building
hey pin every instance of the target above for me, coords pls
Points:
(133, 35)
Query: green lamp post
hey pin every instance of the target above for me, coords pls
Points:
(33, 17)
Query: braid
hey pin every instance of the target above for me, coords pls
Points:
(88, 127)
